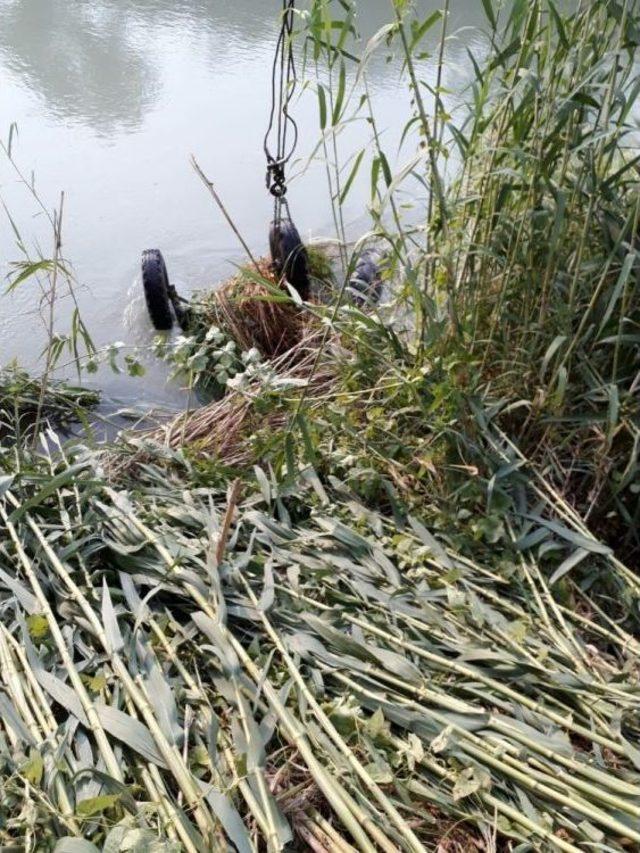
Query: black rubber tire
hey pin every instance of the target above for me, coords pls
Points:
(289, 256)
(155, 281)
(366, 282)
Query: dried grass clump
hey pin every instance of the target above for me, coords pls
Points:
(222, 428)
(249, 309)
(288, 338)
(255, 316)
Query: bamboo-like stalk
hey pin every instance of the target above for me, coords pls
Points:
(39, 703)
(544, 781)
(153, 782)
(465, 671)
(16, 688)
(169, 753)
(500, 747)
(339, 844)
(425, 630)
(521, 699)
(295, 734)
(247, 793)
(97, 730)
(384, 802)
(532, 781)
(271, 834)
(196, 690)
(499, 807)
(171, 825)
(209, 185)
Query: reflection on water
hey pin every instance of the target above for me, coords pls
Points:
(112, 96)
(98, 61)
(83, 59)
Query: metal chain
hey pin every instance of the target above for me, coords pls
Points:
(283, 86)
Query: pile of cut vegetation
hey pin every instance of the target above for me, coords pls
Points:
(249, 339)
(254, 312)
(293, 642)
(277, 661)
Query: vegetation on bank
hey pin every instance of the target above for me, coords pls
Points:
(383, 594)
(28, 404)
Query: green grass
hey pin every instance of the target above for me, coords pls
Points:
(546, 281)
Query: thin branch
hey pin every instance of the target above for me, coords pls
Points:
(205, 180)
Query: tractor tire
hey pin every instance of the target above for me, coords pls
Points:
(155, 281)
(289, 256)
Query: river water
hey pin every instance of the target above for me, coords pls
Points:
(110, 99)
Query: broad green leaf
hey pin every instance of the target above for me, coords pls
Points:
(97, 805)
(33, 768)
(471, 781)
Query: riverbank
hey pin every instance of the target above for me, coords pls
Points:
(381, 591)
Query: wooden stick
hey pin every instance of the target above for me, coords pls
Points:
(205, 180)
